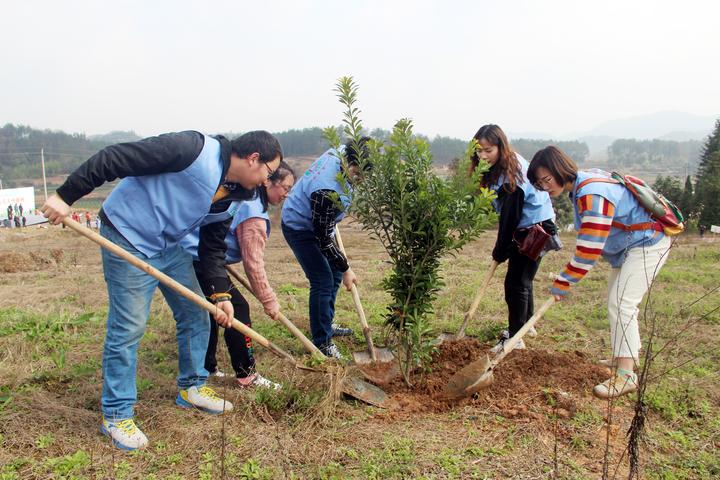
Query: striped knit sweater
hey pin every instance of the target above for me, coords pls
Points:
(596, 215)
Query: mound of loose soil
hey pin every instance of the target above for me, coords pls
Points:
(11, 262)
(525, 379)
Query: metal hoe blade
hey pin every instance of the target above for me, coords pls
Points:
(470, 379)
(382, 371)
(365, 392)
(479, 374)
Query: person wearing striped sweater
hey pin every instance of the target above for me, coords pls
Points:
(596, 215)
(610, 224)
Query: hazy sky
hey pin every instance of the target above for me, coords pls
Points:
(552, 66)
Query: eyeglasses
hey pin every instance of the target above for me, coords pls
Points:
(543, 183)
(271, 172)
(285, 188)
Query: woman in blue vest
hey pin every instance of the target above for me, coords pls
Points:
(520, 205)
(169, 185)
(245, 240)
(309, 215)
(612, 224)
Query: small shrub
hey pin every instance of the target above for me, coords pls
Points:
(417, 216)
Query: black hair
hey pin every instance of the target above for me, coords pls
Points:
(507, 163)
(280, 174)
(558, 163)
(258, 141)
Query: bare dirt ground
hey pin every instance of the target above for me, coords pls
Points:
(538, 419)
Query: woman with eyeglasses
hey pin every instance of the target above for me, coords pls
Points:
(520, 206)
(612, 224)
(245, 241)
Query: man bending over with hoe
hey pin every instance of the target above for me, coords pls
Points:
(170, 184)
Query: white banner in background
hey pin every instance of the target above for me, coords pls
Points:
(715, 228)
(14, 197)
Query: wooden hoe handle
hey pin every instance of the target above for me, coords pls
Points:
(309, 346)
(169, 282)
(478, 297)
(358, 305)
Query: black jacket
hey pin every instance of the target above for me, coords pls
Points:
(170, 152)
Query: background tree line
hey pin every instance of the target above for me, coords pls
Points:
(20, 151)
(20, 148)
(697, 197)
(700, 202)
(655, 155)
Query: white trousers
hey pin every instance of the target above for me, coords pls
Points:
(627, 286)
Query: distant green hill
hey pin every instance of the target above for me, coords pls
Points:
(20, 148)
(20, 151)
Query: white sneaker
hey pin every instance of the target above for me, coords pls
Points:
(504, 338)
(218, 374)
(332, 351)
(622, 383)
(257, 380)
(203, 398)
(532, 333)
(124, 434)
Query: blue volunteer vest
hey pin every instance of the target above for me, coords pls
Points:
(239, 211)
(322, 175)
(627, 211)
(154, 212)
(537, 206)
(247, 210)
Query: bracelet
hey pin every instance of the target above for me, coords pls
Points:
(220, 297)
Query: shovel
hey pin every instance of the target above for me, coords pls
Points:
(377, 364)
(353, 387)
(376, 398)
(479, 374)
(448, 337)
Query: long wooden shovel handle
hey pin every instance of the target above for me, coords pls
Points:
(478, 297)
(509, 345)
(169, 282)
(309, 346)
(358, 305)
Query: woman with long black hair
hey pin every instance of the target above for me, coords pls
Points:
(520, 206)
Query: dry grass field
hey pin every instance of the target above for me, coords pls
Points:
(538, 420)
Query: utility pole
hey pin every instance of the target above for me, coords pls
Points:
(42, 159)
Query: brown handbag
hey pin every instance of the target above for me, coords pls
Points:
(531, 241)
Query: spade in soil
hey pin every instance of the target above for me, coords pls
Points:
(377, 364)
(479, 374)
(353, 387)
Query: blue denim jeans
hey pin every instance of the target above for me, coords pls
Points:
(324, 282)
(130, 291)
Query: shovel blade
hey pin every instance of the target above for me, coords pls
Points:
(383, 371)
(470, 379)
(365, 392)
